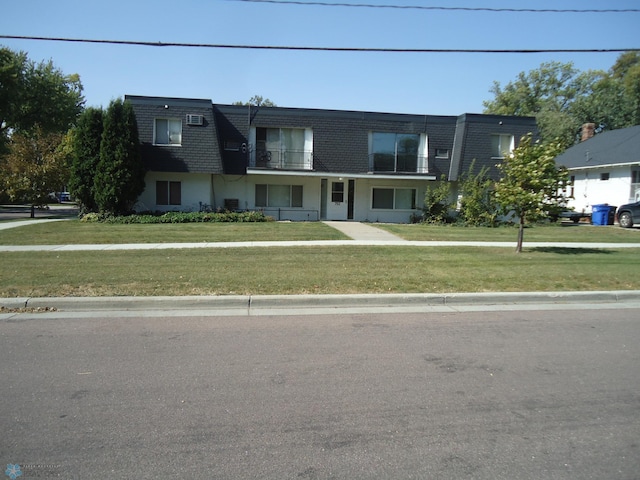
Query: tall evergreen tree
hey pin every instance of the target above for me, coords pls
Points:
(87, 137)
(119, 178)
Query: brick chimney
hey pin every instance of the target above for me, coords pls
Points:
(588, 131)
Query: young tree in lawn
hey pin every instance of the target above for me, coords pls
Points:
(87, 137)
(119, 178)
(532, 186)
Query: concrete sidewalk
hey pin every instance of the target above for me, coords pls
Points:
(360, 234)
(363, 232)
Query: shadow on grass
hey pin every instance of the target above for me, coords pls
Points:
(570, 250)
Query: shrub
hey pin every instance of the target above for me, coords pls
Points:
(437, 204)
(178, 217)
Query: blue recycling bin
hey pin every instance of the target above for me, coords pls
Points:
(602, 214)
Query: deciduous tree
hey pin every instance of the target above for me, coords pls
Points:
(532, 186)
(477, 203)
(36, 95)
(36, 166)
(562, 98)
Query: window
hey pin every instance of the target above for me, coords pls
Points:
(396, 152)
(393, 198)
(168, 193)
(501, 145)
(278, 195)
(337, 192)
(442, 153)
(168, 131)
(604, 176)
(283, 148)
(572, 182)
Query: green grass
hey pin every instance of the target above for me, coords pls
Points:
(299, 270)
(535, 233)
(76, 232)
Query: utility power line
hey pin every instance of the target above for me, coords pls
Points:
(318, 49)
(422, 7)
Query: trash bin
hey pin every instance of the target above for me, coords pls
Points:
(602, 214)
(599, 214)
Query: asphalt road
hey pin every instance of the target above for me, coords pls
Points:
(477, 395)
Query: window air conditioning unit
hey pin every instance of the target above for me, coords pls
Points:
(193, 119)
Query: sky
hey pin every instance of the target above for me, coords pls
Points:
(421, 83)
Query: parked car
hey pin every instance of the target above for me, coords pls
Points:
(627, 213)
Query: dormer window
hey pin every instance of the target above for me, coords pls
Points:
(501, 145)
(167, 131)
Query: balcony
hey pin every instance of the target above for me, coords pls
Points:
(279, 159)
(390, 163)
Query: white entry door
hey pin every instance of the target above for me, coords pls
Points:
(340, 199)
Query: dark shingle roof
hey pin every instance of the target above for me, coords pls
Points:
(607, 148)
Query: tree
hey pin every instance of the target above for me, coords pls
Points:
(437, 203)
(477, 203)
(86, 155)
(257, 101)
(532, 186)
(36, 165)
(545, 93)
(562, 98)
(36, 96)
(11, 81)
(119, 178)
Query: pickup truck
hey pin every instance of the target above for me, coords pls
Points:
(574, 216)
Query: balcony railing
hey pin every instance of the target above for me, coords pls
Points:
(390, 163)
(282, 159)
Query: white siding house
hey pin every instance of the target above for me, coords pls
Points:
(605, 169)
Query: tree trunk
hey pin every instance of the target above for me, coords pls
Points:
(520, 235)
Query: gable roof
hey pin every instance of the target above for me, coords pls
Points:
(614, 147)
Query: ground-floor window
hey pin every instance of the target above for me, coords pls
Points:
(393, 198)
(168, 193)
(278, 195)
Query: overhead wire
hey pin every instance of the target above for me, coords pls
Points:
(424, 7)
(317, 49)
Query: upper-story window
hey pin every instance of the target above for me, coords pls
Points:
(501, 145)
(442, 153)
(167, 131)
(397, 152)
(290, 148)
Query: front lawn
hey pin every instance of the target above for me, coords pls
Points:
(77, 232)
(319, 270)
(508, 233)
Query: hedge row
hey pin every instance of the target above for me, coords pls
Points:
(178, 217)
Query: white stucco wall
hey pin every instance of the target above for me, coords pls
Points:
(364, 190)
(195, 188)
(214, 189)
(243, 188)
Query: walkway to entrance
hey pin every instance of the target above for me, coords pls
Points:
(362, 231)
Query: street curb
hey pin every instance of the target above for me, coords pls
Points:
(273, 302)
